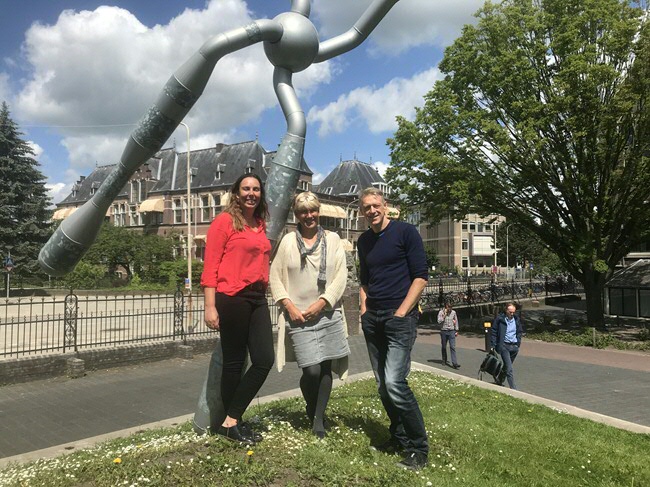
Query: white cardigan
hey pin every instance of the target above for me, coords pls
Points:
(288, 280)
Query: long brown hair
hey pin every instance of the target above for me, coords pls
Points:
(234, 210)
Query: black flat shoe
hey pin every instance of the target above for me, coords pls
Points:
(234, 434)
(320, 434)
(246, 429)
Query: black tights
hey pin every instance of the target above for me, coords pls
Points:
(316, 386)
(245, 324)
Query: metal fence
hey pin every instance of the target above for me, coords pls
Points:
(31, 326)
(485, 290)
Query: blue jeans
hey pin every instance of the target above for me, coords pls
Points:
(390, 340)
(508, 354)
(448, 336)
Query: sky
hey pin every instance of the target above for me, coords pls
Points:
(79, 74)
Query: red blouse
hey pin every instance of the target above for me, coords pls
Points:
(233, 260)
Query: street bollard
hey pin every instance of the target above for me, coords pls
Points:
(487, 326)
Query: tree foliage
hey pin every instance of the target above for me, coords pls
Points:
(542, 117)
(137, 254)
(517, 246)
(24, 214)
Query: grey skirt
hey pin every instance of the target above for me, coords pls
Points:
(319, 340)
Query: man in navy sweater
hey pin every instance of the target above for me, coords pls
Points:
(393, 273)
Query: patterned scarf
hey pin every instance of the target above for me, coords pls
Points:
(304, 252)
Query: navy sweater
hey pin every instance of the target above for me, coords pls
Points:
(389, 262)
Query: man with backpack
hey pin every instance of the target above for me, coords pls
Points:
(506, 339)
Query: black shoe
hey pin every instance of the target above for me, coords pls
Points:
(390, 447)
(246, 429)
(234, 434)
(413, 461)
(456, 366)
(320, 434)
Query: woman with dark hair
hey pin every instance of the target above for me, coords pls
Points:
(235, 277)
(308, 277)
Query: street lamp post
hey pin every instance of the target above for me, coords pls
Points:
(188, 283)
(347, 214)
(507, 252)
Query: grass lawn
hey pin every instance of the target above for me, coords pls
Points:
(477, 438)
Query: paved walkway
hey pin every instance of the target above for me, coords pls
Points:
(47, 413)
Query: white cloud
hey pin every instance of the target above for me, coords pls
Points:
(375, 107)
(38, 150)
(104, 67)
(409, 23)
(5, 91)
(201, 141)
(380, 167)
(60, 190)
(317, 178)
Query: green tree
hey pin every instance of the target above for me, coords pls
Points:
(139, 254)
(542, 117)
(523, 248)
(432, 257)
(24, 215)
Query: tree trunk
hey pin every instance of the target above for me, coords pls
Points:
(594, 284)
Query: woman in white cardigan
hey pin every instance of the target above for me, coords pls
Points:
(308, 277)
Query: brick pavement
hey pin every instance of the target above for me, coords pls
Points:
(43, 414)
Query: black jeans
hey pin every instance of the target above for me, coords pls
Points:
(390, 340)
(244, 323)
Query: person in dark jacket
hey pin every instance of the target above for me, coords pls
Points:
(506, 339)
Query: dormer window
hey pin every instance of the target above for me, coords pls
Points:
(219, 171)
(93, 187)
(328, 190)
(75, 190)
(353, 189)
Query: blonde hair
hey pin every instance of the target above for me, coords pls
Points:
(305, 201)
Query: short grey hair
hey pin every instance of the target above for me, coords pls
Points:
(372, 191)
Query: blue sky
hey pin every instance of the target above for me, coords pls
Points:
(78, 74)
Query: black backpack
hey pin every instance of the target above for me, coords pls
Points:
(493, 365)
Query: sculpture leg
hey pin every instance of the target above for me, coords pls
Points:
(285, 168)
(77, 233)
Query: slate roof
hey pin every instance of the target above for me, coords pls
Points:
(348, 174)
(635, 275)
(167, 170)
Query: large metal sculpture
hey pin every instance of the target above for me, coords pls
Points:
(291, 44)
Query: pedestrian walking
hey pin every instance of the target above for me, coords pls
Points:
(506, 339)
(448, 321)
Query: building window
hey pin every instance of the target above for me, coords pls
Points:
(464, 226)
(304, 185)
(205, 208)
(328, 190)
(465, 244)
(644, 303)
(216, 203)
(622, 301)
(353, 189)
(465, 263)
(178, 211)
(134, 216)
(472, 227)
